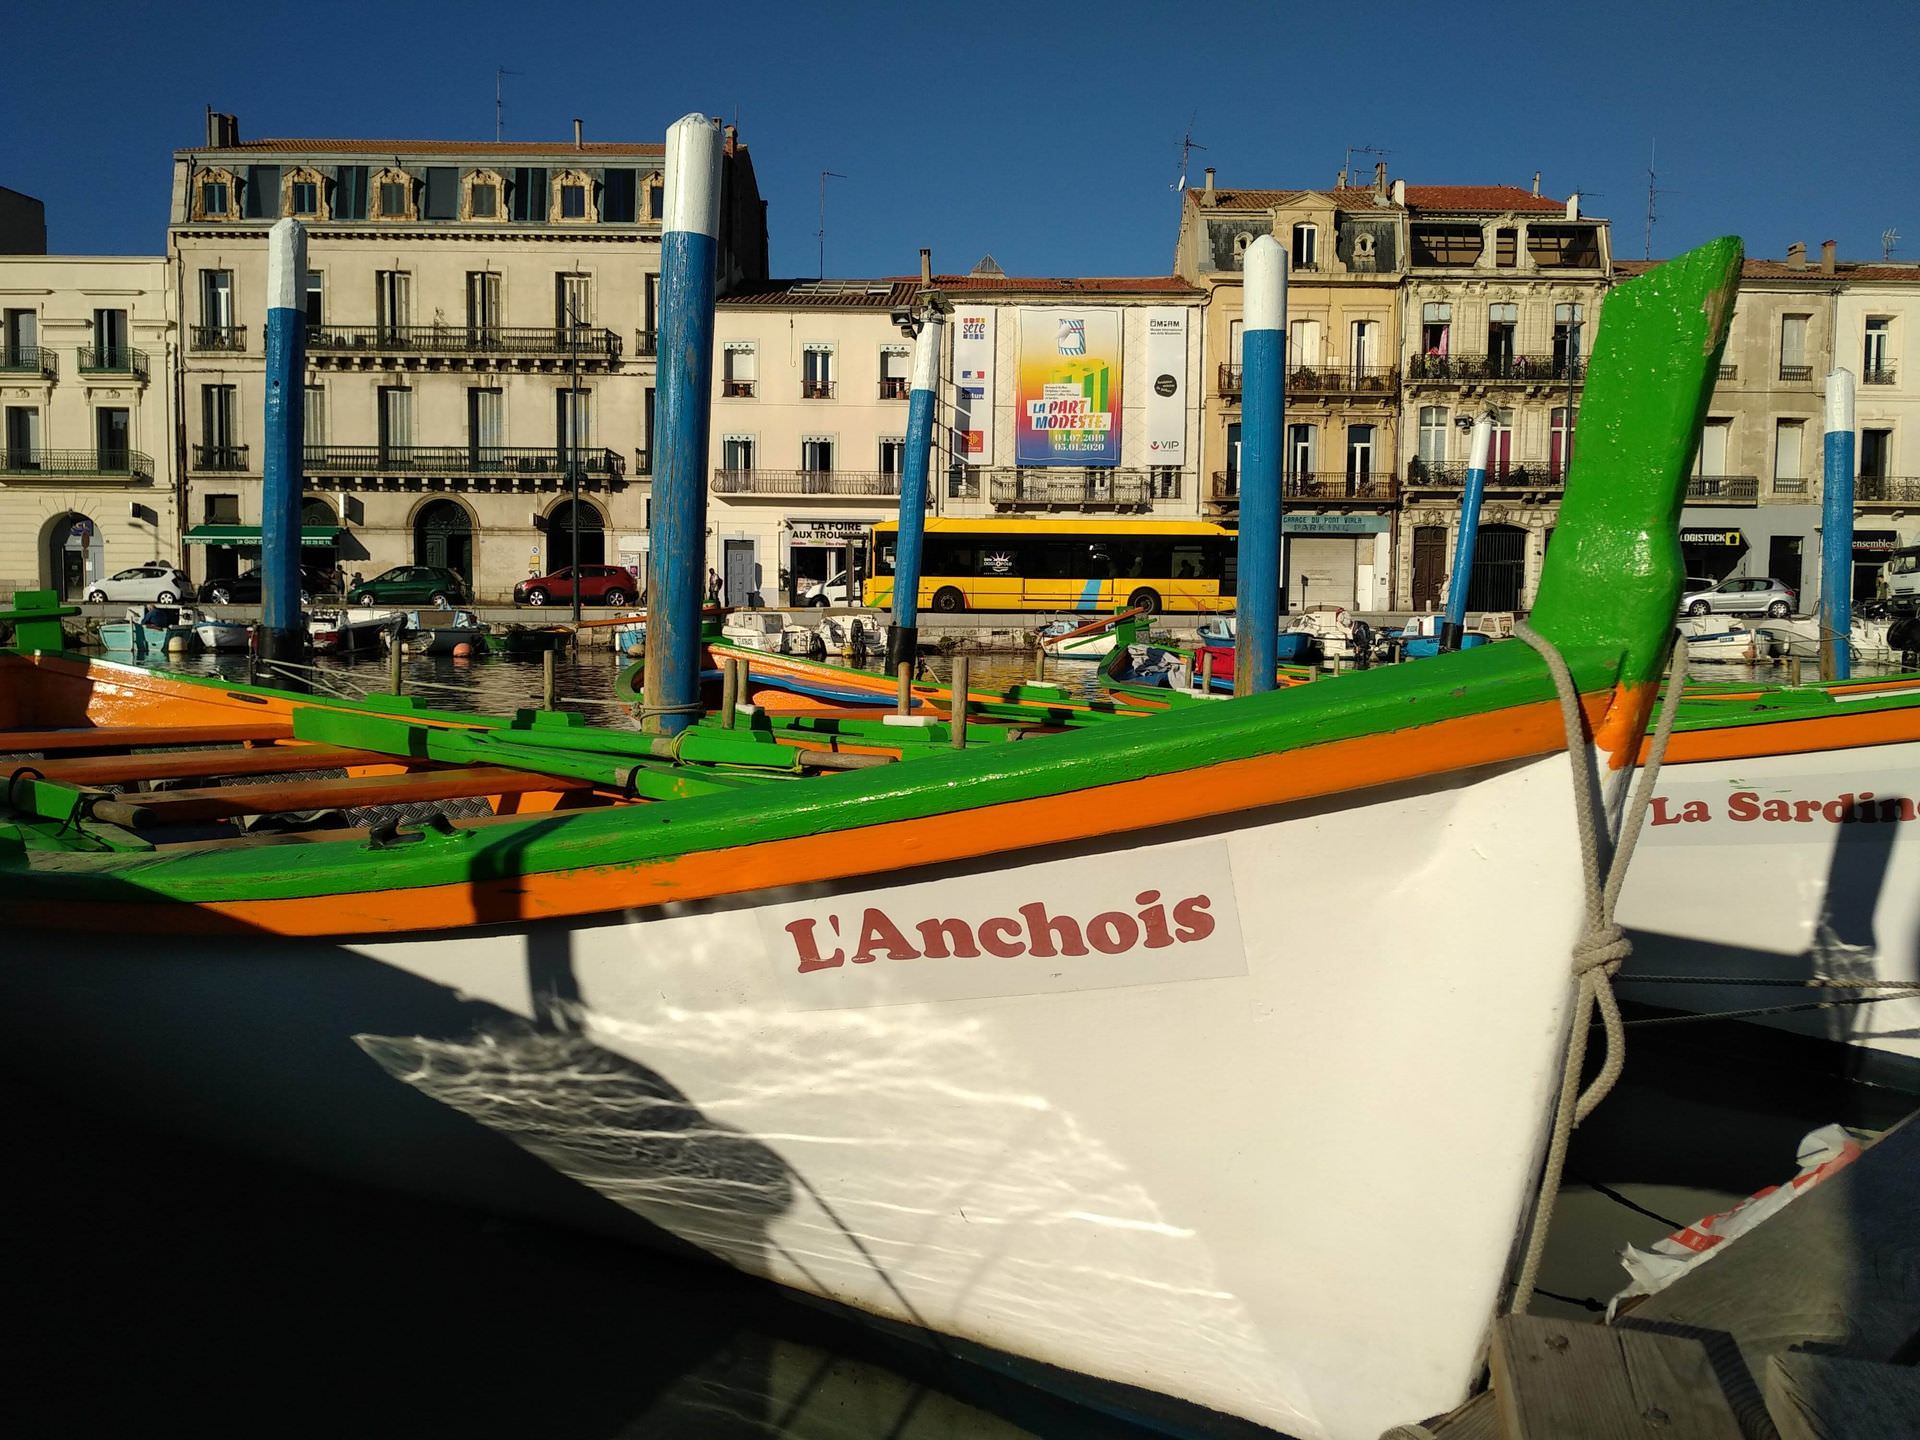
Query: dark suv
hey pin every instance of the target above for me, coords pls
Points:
(599, 585)
(244, 588)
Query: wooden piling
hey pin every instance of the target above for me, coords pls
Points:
(1206, 672)
(547, 680)
(729, 692)
(957, 721)
(396, 656)
(904, 702)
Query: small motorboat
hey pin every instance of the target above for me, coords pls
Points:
(1419, 638)
(350, 630)
(1800, 640)
(221, 636)
(523, 641)
(438, 632)
(1292, 646)
(1718, 638)
(773, 631)
(630, 638)
(854, 636)
(150, 630)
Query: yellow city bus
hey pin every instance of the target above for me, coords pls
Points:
(990, 564)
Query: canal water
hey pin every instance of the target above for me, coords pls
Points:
(160, 1283)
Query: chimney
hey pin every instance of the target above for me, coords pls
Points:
(1209, 179)
(576, 134)
(730, 136)
(1536, 182)
(1827, 248)
(1380, 177)
(1400, 192)
(222, 130)
(1797, 255)
(1573, 205)
(926, 266)
(1340, 181)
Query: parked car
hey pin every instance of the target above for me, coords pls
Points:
(244, 588)
(599, 585)
(412, 585)
(155, 582)
(832, 591)
(1743, 595)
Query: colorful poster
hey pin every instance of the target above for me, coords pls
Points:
(1167, 385)
(973, 386)
(1067, 404)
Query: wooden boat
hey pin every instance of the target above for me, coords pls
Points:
(1717, 638)
(1180, 1167)
(1291, 646)
(150, 630)
(221, 636)
(351, 630)
(437, 632)
(526, 641)
(1800, 640)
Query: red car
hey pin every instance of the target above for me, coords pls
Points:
(599, 585)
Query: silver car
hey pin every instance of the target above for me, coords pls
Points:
(1742, 595)
(158, 583)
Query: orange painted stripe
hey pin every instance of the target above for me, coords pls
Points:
(1132, 807)
(1793, 737)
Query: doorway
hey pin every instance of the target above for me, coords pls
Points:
(593, 536)
(1499, 568)
(1785, 557)
(737, 573)
(1429, 566)
(74, 556)
(443, 537)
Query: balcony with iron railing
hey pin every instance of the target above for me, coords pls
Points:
(218, 337)
(28, 360)
(870, 484)
(816, 389)
(1317, 487)
(19, 463)
(643, 462)
(736, 389)
(1494, 369)
(895, 387)
(1789, 484)
(1886, 490)
(1371, 382)
(1516, 475)
(1729, 372)
(1877, 375)
(646, 342)
(1089, 489)
(490, 461)
(1723, 490)
(1796, 374)
(549, 343)
(113, 360)
(220, 457)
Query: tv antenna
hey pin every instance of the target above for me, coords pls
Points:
(825, 175)
(1653, 194)
(1353, 150)
(1889, 238)
(499, 93)
(1187, 147)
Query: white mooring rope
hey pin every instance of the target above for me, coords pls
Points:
(1601, 944)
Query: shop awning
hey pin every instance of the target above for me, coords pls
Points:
(250, 535)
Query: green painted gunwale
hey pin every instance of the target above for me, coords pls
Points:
(1607, 600)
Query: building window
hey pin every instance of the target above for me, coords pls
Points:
(816, 454)
(1789, 459)
(216, 330)
(486, 425)
(572, 301)
(396, 423)
(483, 301)
(393, 199)
(1306, 247)
(1567, 322)
(1359, 456)
(222, 509)
(1503, 321)
(1560, 431)
(895, 365)
(527, 198)
(216, 198)
(1363, 334)
(1793, 348)
(893, 454)
(304, 198)
(1434, 424)
(736, 454)
(219, 433)
(1303, 344)
(484, 201)
(1237, 344)
(1500, 452)
(617, 191)
(816, 372)
(738, 369)
(1506, 247)
(23, 437)
(573, 202)
(392, 301)
(313, 420)
(315, 299)
(1303, 447)
(1875, 368)
(573, 419)
(1436, 330)
(1714, 438)
(350, 193)
(572, 197)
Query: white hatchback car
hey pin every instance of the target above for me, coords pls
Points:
(161, 584)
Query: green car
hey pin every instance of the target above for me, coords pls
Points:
(411, 584)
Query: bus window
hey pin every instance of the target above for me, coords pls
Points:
(1193, 562)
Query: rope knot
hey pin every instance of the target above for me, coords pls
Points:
(1601, 947)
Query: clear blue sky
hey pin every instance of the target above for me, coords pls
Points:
(1047, 135)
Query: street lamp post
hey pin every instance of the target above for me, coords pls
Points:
(572, 441)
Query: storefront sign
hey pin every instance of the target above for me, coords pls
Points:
(973, 386)
(1167, 392)
(1333, 525)
(1067, 404)
(1873, 547)
(1729, 538)
(828, 532)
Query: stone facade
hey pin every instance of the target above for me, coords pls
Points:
(87, 351)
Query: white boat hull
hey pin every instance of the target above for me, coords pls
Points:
(1800, 639)
(1273, 1166)
(1767, 877)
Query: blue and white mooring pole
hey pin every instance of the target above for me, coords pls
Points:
(1836, 533)
(283, 633)
(904, 643)
(677, 548)
(1263, 373)
(1453, 622)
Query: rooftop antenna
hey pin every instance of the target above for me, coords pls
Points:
(499, 113)
(1889, 238)
(1652, 193)
(825, 175)
(1187, 147)
(1353, 150)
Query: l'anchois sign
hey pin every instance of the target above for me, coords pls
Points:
(1140, 918)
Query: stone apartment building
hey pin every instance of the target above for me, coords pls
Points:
(87, 358)
(480, 323)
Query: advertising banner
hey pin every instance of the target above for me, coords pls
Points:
(973, 386)
(1167, 385)
(1067, 404)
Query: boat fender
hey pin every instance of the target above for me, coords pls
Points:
(816, 649)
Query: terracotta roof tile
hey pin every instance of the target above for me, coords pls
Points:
(1480, 197)
(1062, 285)
(430, 147)
(828, 294)
(1856, 271)
(1350, 197)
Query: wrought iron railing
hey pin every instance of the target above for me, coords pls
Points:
(963, 482)
(553, 342)
(816, 389)
(646, 342)
(459, 460)
(1796, 373)
(1877, 375)
(1363, 380)
(1517, 475)
(1493, 369)
(113, 360)
(895, 387)
(1331, 487)
(1886, 489)
(219, 337)
(877, 483)
(28, 360)
(643, 462)
(1230, 379)
(1091, 489)
(736, 389)
(1726, 489)
(220, 457)
(1789, 484)
(31, 462)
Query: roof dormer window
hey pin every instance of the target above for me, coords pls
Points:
(305, 193)
(572, 199)
(393, 195)
(303, 197)
(215, 195)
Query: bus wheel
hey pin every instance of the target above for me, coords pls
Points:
(1147, 600)
(949, 601)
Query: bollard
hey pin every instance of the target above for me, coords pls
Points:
(1206, 672)
(905, 700)
(958, 719)
(1039, 662)
(1793, 669)
(394, 658)
(729, 692)
(546, 680)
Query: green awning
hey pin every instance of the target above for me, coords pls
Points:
(250, 535)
